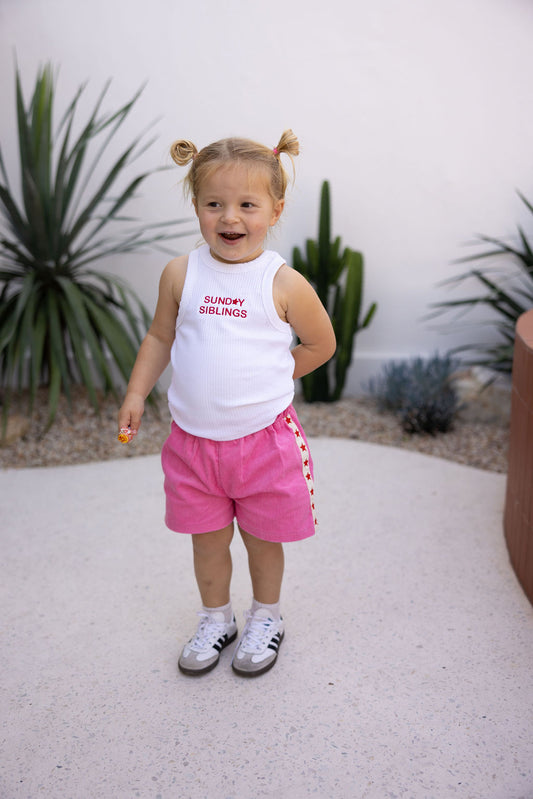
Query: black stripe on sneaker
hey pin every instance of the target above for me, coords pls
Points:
(220, 644)
(275, 642)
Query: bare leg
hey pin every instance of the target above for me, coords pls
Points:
(266, 561)
(213, 566)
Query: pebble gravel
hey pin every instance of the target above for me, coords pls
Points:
(80, 435)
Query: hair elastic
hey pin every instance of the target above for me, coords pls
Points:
(275, 151)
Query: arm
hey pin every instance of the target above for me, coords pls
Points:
(308, 318)
(154, 352)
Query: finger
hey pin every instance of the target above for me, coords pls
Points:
(124, 419)
(135, 422)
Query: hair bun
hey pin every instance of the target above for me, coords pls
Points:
(287, 144)
(183, 151)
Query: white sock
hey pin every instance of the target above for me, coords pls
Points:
(273, 610)
(225, 609)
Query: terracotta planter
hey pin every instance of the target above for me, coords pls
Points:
(518, 516)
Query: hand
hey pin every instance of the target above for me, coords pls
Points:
(131, 412)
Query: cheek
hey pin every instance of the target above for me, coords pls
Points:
(205, 221)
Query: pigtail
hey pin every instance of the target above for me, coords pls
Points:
(183, 152)
(287, 144)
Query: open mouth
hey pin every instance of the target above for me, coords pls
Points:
(232, 236)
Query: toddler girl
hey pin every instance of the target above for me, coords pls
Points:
(236, 450)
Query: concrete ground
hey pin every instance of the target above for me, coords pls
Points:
(406, 670)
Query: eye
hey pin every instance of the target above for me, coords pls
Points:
(213, 204)
(247, 205)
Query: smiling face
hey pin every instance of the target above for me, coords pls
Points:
(235, 210)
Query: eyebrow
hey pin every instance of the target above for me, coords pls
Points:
(242, 198)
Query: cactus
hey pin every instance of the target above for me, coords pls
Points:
(338, 279)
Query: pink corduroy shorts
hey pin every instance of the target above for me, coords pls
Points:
(264, 480)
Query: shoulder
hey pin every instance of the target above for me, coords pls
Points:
(288, 286)
(289, 280)
(173, 276)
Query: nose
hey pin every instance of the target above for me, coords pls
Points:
(230, 214)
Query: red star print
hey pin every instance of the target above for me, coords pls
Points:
(306, 463)
(307, 476)
(297, 433)
(303, 447)
(288, 419)
(312, 492)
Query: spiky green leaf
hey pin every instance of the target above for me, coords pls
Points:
(59, 321)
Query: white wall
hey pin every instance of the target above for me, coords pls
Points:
(419, 113)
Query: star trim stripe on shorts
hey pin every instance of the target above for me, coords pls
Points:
(306, 468)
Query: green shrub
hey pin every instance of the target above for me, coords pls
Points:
(506, 291)
(420, 392)
(61, 320)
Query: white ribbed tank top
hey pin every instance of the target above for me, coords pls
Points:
(231, 362)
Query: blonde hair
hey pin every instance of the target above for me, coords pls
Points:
(234, 150)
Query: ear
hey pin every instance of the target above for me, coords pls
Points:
(276, 212)
(195, 204)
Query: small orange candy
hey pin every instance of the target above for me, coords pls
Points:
(125, 435)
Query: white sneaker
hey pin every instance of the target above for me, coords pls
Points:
(202, 652)
(258, 648)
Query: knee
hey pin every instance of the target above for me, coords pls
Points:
(256, 547)
(210, 544)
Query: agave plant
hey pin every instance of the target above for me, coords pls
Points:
(337, 276)
(420, 391)
(62, 321)
(508, 293)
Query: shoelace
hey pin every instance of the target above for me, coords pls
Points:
(257, 633)
(207, 634)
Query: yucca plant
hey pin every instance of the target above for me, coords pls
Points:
(507, 292)
(62, 321)
(337, 277)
